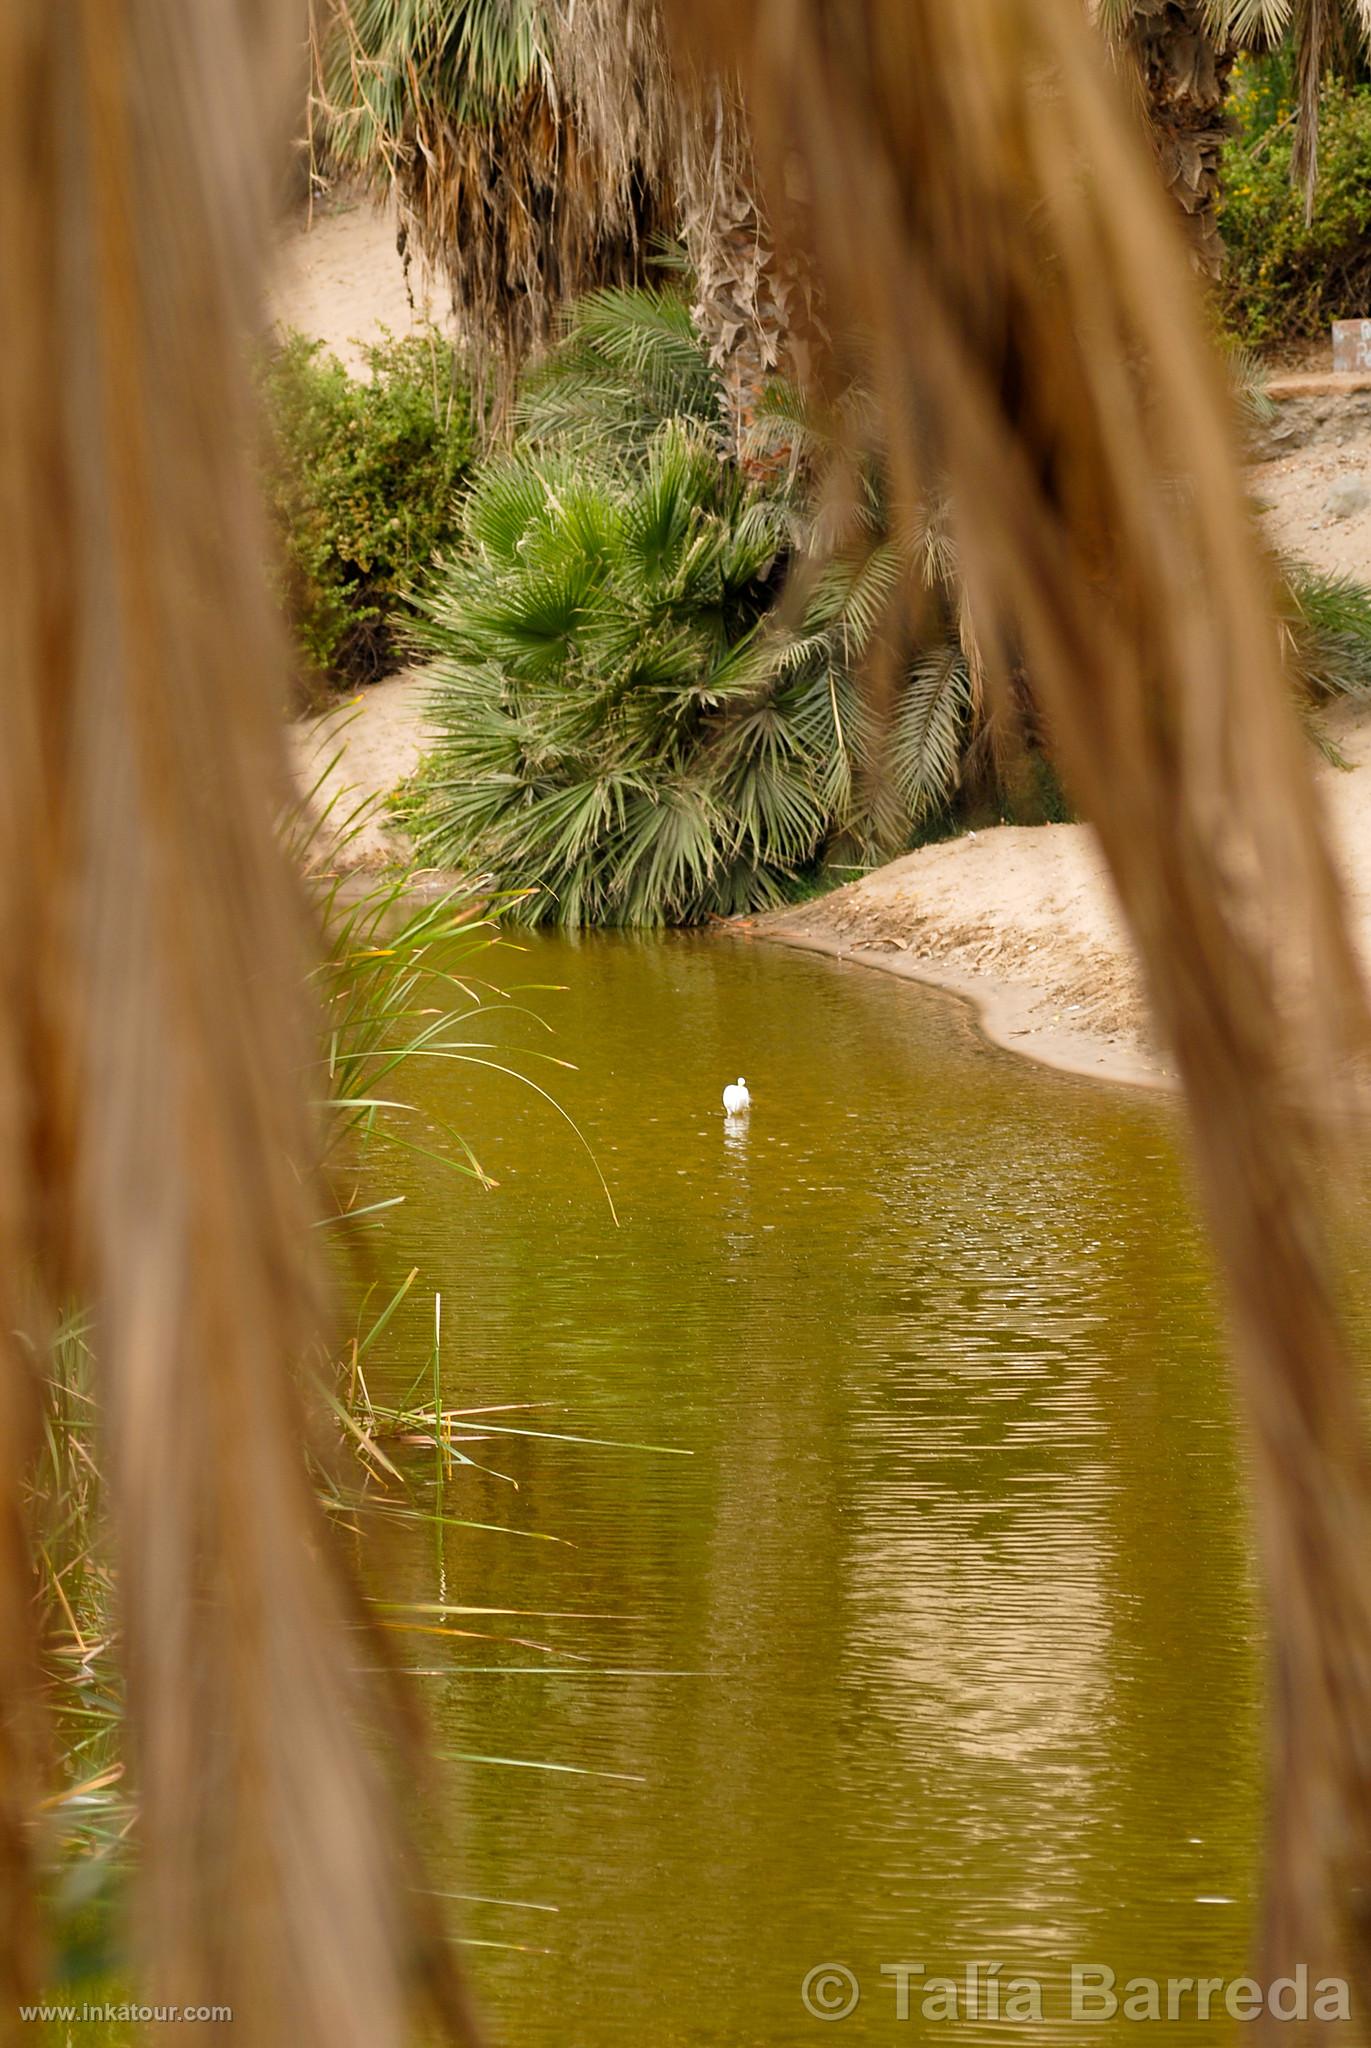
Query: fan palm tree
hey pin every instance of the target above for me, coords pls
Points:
(455, 108)
(628, 731)
(541, 148)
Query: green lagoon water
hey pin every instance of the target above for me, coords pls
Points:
(930, 1634)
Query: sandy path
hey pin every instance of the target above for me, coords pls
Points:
(1316, 484)
(339, 278)
(352, 757)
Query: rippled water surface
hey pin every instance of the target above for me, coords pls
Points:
(928, 1635)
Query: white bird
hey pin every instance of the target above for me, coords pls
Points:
(736, 1097)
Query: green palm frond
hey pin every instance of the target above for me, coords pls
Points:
(628, 363)
(390, 63)
(649, 337)
(928, 732)
(860, 591)
(512, 498)
(668, 512)
(673, 838)
(1326, 621)
(775, 796)
(1247, 376)
(533, 622)
(1249, 21)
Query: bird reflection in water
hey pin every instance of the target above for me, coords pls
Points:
(735, 1134)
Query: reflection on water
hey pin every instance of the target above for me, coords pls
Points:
(939, 1645)
(735, 1132)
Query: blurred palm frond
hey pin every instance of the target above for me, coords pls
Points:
(158, 1156)
(985, 216)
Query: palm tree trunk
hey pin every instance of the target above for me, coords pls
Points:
(751, 308)
(1184, 76)
(649, 116)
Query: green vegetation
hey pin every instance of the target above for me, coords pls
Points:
(74, 1591)
(632, 730)
(652, 691)
(363, 478)
(1326, 621)
(1285, 279)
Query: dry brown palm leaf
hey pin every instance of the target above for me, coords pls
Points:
(455, 109)
(983, 210)
(1314, 26)
(156, 1154)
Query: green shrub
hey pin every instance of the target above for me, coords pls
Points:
(1285, 281)
(363, 483)
(634, 726)
(629, 727)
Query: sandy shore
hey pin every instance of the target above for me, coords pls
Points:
(1021, 922)
(350, 758)
(340, 279)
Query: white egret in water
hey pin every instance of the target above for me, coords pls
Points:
(736, 1097)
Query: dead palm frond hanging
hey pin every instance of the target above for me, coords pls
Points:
(156, 1154)
(984, 216)
(456, 107)
(646, 110)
